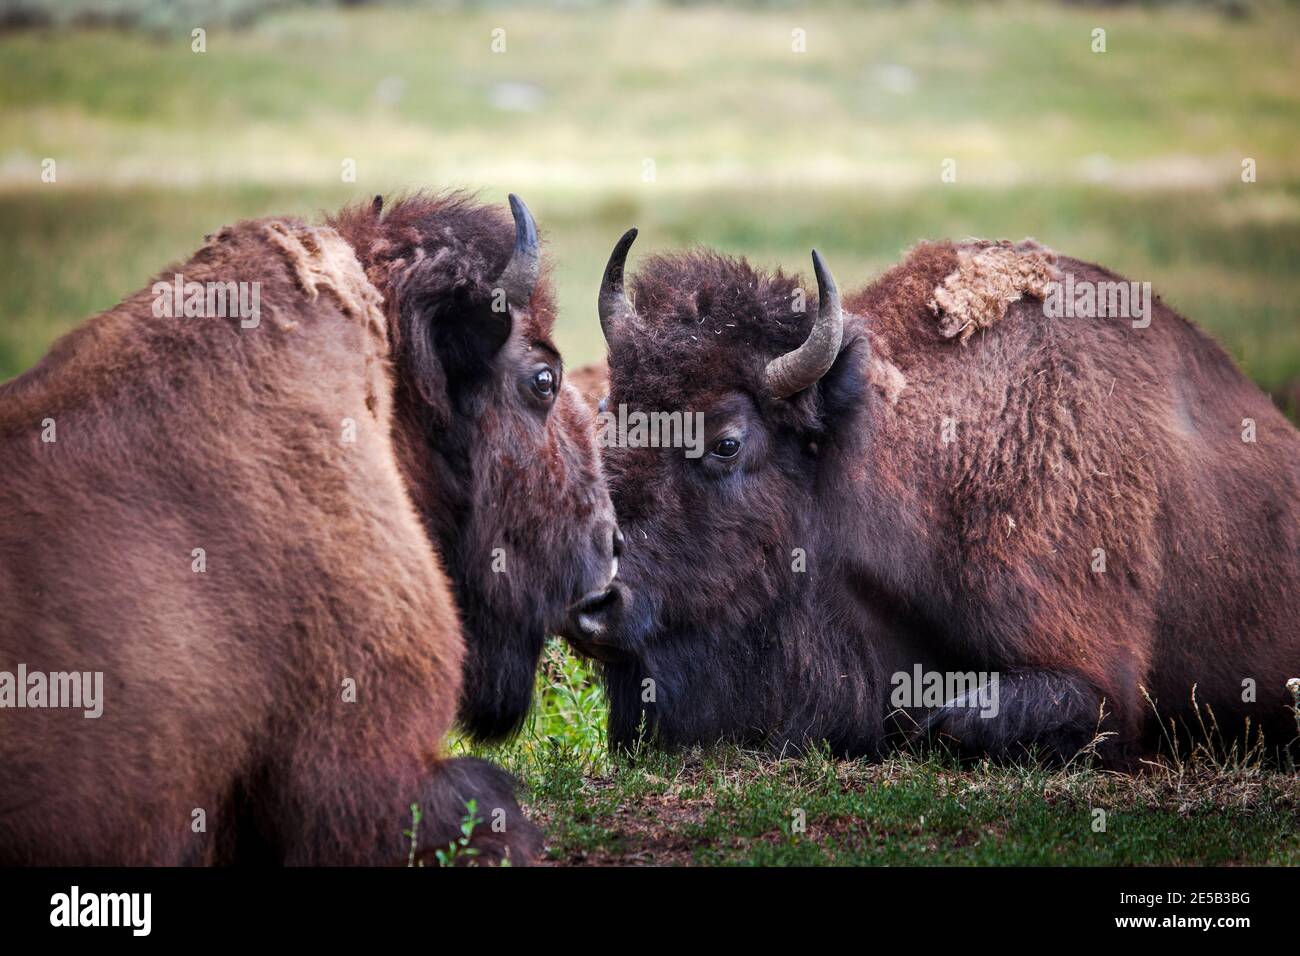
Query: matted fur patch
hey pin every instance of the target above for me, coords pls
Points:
(324, 262)
(990, 275)
(887, 378)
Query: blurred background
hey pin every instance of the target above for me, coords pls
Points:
(761, 129)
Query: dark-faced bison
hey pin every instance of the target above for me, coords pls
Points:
(496, 446)
(938, 484)
(222, 525)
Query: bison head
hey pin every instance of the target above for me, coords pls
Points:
(496, 447)
(731, 618)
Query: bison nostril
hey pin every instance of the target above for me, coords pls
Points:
(598, 603)
(594, 626)
(592, 614)
(590, 627)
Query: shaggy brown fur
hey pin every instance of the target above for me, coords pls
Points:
(224, 690)
(592, 382)
(1077, 434)
(1069, 435)
(508, 485)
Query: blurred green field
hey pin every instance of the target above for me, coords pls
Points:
(1130, 157)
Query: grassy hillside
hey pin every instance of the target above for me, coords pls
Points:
(1131, 157)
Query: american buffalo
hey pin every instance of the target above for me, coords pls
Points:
(953, 474)
(236, 531)
(496, 446)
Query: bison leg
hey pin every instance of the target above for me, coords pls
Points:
(503, 833)
(331, 819)
(1053, 715)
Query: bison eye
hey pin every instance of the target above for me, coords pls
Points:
(544, 383)
(726, 449)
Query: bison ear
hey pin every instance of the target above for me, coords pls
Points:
(424, 367)
(845, 388)
(450, 340)
(487, 334)
(444, 356)
(468, 347)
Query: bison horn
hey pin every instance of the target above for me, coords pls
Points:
(519, 277)
(614, 305)
(795, 371)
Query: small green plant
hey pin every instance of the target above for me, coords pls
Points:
(413, 834)
(459, 850)
(566, 725)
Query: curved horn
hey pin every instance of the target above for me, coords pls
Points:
(795, 371)
(519, 277)
(614, 304)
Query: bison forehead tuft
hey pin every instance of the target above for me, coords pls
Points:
(684, 294)
(454, 242)
(706, 320)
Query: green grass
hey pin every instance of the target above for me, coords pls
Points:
(726, 806)
(1130, 158)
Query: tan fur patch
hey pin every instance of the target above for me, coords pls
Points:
(886, 377)
(989, 277)
(323, 262)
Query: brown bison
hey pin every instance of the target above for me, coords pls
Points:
(937, 510)
(496, 446)
(226, 633)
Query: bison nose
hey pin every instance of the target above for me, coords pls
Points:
(593, 616)
(591, 625)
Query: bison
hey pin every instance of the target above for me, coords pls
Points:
(495, 444)
(1092, 521)
(223, 592)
